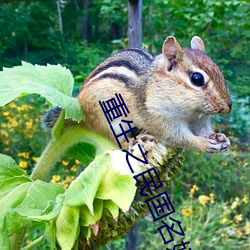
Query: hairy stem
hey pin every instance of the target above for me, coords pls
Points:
(57, 147)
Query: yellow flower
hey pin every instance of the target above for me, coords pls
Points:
(235, 203)
(6, 149)
(6, 113)
(6, 141)
(4, 134)
(65, 163)
(14, 123)
(77, 162)
(24, 155)
(224, 164)
(223, 220)
(35, 159)
(203, 199)
(245, 199)
(247, 228)
(211, 195)
(65, 185)
(12, 105)
(73, 168)
(187, 211)
(70, 178)
(192, 190)
(23, 164)
(238, 233)
(55, 178)
(238, 218)
(29, 124)
(23, 107)
(234, 152)
(197, 242)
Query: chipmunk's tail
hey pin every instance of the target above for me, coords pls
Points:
(50, 117)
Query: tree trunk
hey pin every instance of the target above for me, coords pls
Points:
(85, 20)
(135, 23)
(59, 16)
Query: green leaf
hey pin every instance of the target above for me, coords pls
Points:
(4, 240)
(53, 82)
(11, 200)
(50, 234)
(46, 216)
(83, 189)
(101, 179)
(111, 207)
(83, 152)
(14, 198)
(26, 202)
(118, 188)
(39, 194)
(86, 218)
(9, 168)
(20, 197)
(67, 226)
(6, 186)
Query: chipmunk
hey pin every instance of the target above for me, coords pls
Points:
(170, 96)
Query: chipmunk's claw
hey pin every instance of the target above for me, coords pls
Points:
(218, 142)
(140, 139)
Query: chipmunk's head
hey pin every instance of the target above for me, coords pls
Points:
(196, 76)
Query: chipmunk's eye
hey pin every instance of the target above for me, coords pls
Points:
(197, 79)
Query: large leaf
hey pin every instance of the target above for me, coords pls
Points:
(67, 226)
(33, 204)
(83, 189)
(10, 201)
(53, 82)
(21, 198)
(103, 179)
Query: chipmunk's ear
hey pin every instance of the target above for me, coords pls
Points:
(171, 49)
(197, 43)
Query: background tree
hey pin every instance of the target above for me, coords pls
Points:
(135, 23)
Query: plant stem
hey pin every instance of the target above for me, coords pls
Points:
(57, 147)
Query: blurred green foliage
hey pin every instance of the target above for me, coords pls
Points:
(30, 32)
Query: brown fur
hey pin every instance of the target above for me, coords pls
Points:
(159, 95)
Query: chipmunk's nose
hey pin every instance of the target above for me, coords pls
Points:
(227, 108)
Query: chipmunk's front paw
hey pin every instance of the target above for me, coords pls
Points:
(217, 142)
(140, 140)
